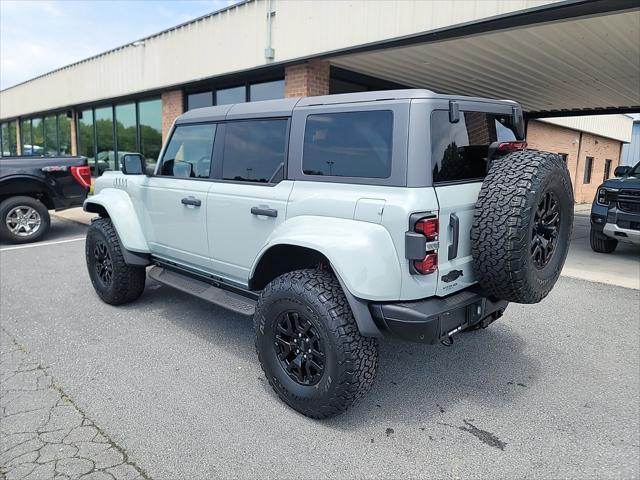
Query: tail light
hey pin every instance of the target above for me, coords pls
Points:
(82, 175)
(427, 262)
(511, 146)
(428, 227)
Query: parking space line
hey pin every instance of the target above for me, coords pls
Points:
(43, 244)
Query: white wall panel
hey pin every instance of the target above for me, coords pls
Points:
(234, 40)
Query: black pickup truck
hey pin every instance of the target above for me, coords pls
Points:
(30, 186)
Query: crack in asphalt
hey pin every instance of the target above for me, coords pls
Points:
(44, 434)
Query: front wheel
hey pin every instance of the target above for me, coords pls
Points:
(114, 281)
(601, 243)
(309, 345)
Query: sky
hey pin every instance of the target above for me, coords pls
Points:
(37, 36)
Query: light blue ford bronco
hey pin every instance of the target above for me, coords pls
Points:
(336, 220)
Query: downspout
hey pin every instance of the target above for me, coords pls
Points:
(269, 52)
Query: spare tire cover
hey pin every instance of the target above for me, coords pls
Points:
(522, 226)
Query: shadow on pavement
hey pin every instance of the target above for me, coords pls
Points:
(415, 382)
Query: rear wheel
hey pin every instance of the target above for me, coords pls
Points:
(114, 281)
(601, 243)
(309, 345)
(23, 219)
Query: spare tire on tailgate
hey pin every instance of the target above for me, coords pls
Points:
(522, 226)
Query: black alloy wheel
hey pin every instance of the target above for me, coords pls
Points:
(545, 230)
(299, 348)
(103, 263)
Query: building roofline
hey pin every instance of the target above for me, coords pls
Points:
(239, 3)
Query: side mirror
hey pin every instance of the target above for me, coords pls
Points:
(621, 170)
(133, 164)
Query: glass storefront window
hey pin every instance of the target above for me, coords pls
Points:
(50, 136)
(37, 136)
(25, 137)
(64, 134)
(86, 144)
(105, 157)
(11, 127)
(126, 131)
(266, 91)
(4, 139)
(231, 95)
(150, 118)
(199, 100)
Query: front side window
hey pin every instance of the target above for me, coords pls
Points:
(254, 151)
(188, 154)
(459, 151)
(349, 144)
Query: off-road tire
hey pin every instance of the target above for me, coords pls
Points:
(6, 206)
(127, 281)
(503, 225)
(601, 243)
(351, 359)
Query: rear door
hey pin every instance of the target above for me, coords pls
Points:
(459, 154)
(249, 198)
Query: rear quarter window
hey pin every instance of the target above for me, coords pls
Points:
(348, 144)
(459, 150)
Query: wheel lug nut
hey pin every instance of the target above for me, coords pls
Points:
(309, 350)
(305, 356)
(299, 334)
(297, 350)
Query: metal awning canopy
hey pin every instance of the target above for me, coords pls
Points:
(580, 64)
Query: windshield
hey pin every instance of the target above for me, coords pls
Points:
(635, 171)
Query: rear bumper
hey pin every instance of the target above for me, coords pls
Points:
(435, 319)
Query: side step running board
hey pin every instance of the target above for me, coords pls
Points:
(205, 291)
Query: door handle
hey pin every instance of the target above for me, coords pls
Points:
(454, 223)
(267, 212)
(191, 201)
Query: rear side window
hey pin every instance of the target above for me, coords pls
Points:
(350, 144)
(254, 151)
(188, 154)
(459, 151)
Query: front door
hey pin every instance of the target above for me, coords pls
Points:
(249, 200)
(175, 200)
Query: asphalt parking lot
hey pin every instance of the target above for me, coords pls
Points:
(171, 388)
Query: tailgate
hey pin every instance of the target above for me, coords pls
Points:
(455, 264)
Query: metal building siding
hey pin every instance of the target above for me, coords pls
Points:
(590, 62)
(617, 127)
(233, 40)
(631, 151)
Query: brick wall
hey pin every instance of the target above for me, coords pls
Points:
(172, 107)
(600, 149)
(577, 146)
(307, 79)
